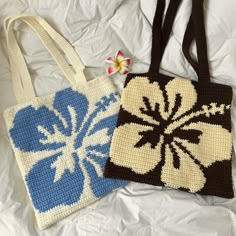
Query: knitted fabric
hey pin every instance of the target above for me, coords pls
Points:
(61, 144)
(173, 133)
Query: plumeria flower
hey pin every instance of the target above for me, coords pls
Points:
(118, 63)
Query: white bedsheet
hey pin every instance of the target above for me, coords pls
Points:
(97, 29)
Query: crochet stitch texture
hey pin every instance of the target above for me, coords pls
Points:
(179, 138)
(172, 131)
(61, 143)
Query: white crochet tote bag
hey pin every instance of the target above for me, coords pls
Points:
(61, 141)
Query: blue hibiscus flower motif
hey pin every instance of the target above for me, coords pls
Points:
(71, 140)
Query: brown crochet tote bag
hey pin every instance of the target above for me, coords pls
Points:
(172, 131)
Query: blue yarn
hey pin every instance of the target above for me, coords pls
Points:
(44, 191)
(96, 181)
(46, 194)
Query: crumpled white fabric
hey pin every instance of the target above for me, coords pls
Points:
(97, 29)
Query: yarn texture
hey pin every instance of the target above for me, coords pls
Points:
(61, 141)
(179, 138)
(172, 131)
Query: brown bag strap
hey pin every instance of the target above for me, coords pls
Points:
(160, 35)
(196, 30)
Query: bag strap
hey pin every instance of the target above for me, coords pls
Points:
(187, 41)
(196, 30)
(21, 80)
(160, 35)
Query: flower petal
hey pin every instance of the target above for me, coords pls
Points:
(46, 193)
(188, 175)
(126, 62)
(187, 93)
(29, 138)
(111, 60)
(215, 143)
(108, 123)
(44, 123)
(112, 69)
(119, 56)
(133, 96)
(124, 153)
(97, 180)
(66, 103)
(123, 70)
(102, 119)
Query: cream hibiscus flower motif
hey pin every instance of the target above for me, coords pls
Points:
(169, 124)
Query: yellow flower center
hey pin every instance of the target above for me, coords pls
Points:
(118, 64)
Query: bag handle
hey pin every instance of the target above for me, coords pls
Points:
(196, 30)
(22, 84)
(187, 41)
(160, 35)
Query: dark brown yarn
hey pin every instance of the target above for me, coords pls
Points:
(218, 175)
(160, 35)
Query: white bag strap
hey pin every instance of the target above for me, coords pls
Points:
(22, 83)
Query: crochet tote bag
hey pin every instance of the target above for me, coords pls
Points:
(172, 131)
(60, 141)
